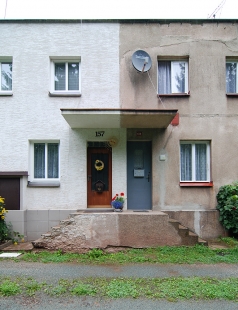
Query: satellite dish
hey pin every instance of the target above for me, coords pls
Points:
(141, 61)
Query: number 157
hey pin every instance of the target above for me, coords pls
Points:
(100, 133)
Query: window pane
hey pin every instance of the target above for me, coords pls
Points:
(60, 76)
(178, 77)
(201, 162)
(73, 76)
(231, 77)
(186, 162)
(6, 73)
(164, 77)
(53, 160)
(39, 160)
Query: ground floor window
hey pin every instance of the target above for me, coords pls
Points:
(45, 160)
(195, 161)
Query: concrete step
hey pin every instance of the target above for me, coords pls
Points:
(201, 241)
(66, 222)
(95, 210)
(175, 223)
(189, 238)
(46, 235)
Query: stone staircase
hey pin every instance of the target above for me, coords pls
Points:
(88, 229)
(189, 237)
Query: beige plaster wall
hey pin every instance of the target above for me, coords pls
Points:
(206, 114)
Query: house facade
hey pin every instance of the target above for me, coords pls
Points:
(90, 109)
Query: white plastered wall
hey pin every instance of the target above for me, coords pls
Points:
(31, 114)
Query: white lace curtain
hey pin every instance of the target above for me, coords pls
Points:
(164, 77)
(172, 77)
(231, 78)
(40, 160)
(193, 162)
(6, 76)
(62, 70)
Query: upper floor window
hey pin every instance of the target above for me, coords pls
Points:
(65, 77)
(172, 76)
(231, 77)
(6, 77)
(195, 161)
(44, 161)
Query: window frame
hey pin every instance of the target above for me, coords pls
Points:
(172, 60)
(32, 181)
(232, 60)
(66, 92)
(4, 60)
(193, 181)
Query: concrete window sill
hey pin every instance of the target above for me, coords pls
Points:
(6, 93)
(64, 94)
(43, 184)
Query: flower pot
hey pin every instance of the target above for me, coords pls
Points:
(117, 205)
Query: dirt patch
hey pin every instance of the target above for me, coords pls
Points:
(217, 244)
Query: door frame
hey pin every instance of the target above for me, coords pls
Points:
(96, 201)
(151, 170)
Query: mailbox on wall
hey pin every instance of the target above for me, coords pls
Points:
(139, 173)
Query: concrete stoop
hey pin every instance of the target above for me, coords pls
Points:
(85, 230)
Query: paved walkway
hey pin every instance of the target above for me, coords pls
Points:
(54, 272)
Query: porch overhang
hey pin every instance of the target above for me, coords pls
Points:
(112, 118)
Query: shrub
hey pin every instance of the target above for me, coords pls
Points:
(6, 232)
(4, 229)
(227, 199)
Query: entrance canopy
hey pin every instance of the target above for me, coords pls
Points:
(112, 118)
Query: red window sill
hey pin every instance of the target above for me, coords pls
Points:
(197, 184)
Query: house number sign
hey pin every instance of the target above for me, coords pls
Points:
(99, 133)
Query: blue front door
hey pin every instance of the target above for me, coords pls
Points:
(139, 175)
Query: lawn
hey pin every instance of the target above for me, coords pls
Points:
(177, 255)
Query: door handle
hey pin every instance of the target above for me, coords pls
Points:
(148, 177)
(89, 177)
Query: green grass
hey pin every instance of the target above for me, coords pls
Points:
(231, 242)
(165, 254)
(9, 288)
(172, 289)
(179, 288)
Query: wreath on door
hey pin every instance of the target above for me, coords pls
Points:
(99, 165)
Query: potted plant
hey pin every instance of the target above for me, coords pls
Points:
(118, 202)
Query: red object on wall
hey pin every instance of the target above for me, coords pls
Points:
(175, 120)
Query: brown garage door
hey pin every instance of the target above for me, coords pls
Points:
(10, 190)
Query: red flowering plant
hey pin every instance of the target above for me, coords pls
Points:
(118, 201)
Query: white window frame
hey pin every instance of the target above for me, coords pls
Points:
(2, 61)
(65, 92)
(47, 180)
(208, 160)
(172, 69)
(234, 61)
